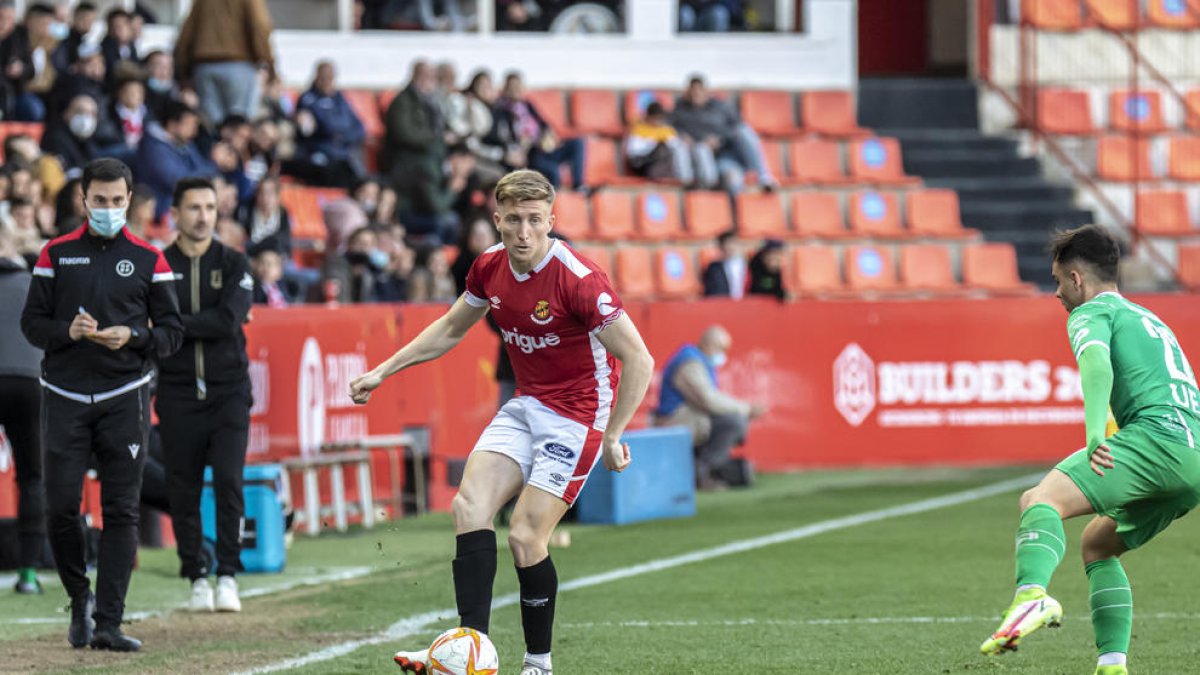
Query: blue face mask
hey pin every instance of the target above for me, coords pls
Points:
(106, 222)
(161, 86)
(719, 359)
(379, 259)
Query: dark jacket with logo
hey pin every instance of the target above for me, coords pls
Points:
(215, 292)
(122, 281)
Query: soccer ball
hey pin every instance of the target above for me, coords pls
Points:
(463, 651)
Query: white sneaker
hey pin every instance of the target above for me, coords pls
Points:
(413, 662)
(227, 595)
(531, 669)
(202, 596)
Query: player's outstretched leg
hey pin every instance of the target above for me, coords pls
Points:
(534, 519)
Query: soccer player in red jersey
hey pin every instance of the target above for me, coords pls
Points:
(565, 329)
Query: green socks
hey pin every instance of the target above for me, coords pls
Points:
(27, 575)
(1112, 605)
(1040, 545)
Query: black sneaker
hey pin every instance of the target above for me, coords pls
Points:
(114, 640)
(82, 624)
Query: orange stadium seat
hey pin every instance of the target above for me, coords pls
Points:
(1065, 15)
(1141, 111)
(707, 214)
(830, 113)
(877, 160)
(303, 205)
(927, 267)
(1189, 266)
(935, 212)
(635, 278)
(675, 273)
(1184, 162)
(1163, 213)
(600, 162)
(1115, 14)
(1175, 14)
(1192, 109)
(637, 101)
(658, 216)
(612, 215)
(760, 214)
(571, 216)
(773, 154)
(601, 255)
(815, 270)
(1124, 159)
(1065, 112)
(816, 161)
(551, 105)
(366, 105)
(770, 113)
(818, 215)
(870, 268)
(386, 97)
(993, 267)
(595, 111)
(875, 215)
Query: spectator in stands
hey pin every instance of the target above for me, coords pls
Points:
(726, 276)
(168, 153)
(709, 16)
(37, 30)
(82, 20)
(221, 46)
(84, 77)
(431, 280)
(261, 156)
(691, 397)
(395, 282)
(230, 233)
(20, 179)
(469, 119)
(121, 130)
(356, 272)
(46, 170)
(525, 131)
(266, 222)
(519, 15)
(68, 207)
(276, 105)
(766, 270)
(118, 47)
(233, 141)
(722, 144)
(140, 217)
(16, 59)
(447, 83)
(160, 82)
(70, 137)
(267, 267)
(329, 147)
(654, 150)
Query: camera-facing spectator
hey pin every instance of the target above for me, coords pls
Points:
(69, 138)
(266, 264)
(230, 233)
(722, 144)
(118, 45)
(37, 29)
(727, 275)
(522, 128)
(168, 154)
(262, 155)
(654, 150)
(160, 82)
(121, 130)
(329, 146)
(766, 270)
(354, 274)
(469, 118)
(16, 60)
(266, 222)
(431, 280)
(395, 284)
(82, 20)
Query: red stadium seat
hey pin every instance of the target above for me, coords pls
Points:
(675, 273)
(1192, 109)
(875, 215)
(1189, 266)
(830, 113)
(366, 105)
(935, 212)
(878, 161)
(1163, 213)
(815, 270)
(601, 255)
(637, 101)
(870, 268)
(1184, 163)
(927, 267)
(1124, 159)
(600, 162)
(1062, 15)
(551, 105)
(303, 205)
(707, 214)
(773, 154)
(1065, 112)
(635, 278)
(658, 217)
(993, 267)
(1175, 14)
(1122, 15)
(817, 162)
(1139, 111)
(386, 97)
(595, 111)
(770, 113)
(761, 215)
(818, 215)
(571, 217)
(612, 215)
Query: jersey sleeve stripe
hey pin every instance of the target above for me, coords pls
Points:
(160, 277)
(1101, 343)
(474, 300)
(608, 321)
(40, 271)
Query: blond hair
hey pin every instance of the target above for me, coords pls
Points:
(524, 185)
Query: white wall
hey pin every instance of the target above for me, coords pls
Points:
(650, 55)
(1094, 56)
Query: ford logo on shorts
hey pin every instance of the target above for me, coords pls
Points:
(557, 478)
(559, 450)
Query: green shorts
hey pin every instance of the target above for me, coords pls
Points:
(1155, 481)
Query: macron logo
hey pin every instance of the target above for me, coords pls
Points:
(133, 449)
(528, 343)
(83, 260)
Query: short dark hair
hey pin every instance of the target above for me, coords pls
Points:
(174, 111)
(234, 120)
(726, 236)
(142, 194)
(655, 109)
(39, 9)
(188, 184)
(116, 13)
(85, 6)
(1091, 244)
(695, 79)
(106, 170)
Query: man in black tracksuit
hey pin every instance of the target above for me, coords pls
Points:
(101, 305)
(204, 393)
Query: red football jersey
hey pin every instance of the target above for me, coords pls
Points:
(549, 320)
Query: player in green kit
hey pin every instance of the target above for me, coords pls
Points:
(1137, 481)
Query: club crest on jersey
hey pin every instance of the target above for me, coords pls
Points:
(215, 279)
(125, 268)
(541, 313)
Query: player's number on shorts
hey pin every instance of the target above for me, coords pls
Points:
(1177, 365)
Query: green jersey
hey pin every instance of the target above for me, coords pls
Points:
(1152, 380)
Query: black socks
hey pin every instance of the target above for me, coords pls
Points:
(474, 574)
(539, 586)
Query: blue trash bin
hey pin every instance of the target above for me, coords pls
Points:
(263, 536)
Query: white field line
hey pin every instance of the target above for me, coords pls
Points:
(861, 620)
(419, 623)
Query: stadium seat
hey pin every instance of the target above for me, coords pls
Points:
(637, 101)
(993, 268)
(878, 161)
(1065, 112)
(760, 214)
(814, 161)
(830, 113)
(303, 205)
(366, 105)
(935, 213)
(612, 215)
(870, 268)
(1189, 266)
(385, 99)
(571, 217)
(658, 216)
(1184, 162)
(1175, 14)
(1123, 159)
(815, 270)
(927, 267)
(600, 162)
(595, 111)
(707, 214)
(635, 279)
(1121, 15)
(1162, 213)
(601, 255)
(875, 215)
(1192, 109)
(818, 215)
(1139, 111)
(1063, 15)
(675, 273)
(551, 105)
(770, 113)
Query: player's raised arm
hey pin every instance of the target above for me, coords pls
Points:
(622, 340)
(438, 338)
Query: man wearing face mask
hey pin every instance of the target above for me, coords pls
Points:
(690, 397)
(71, 140)
(102, 307)
(204, 394)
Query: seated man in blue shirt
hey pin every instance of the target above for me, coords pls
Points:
(690, 397)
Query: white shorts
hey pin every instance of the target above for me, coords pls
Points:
(555, 454)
